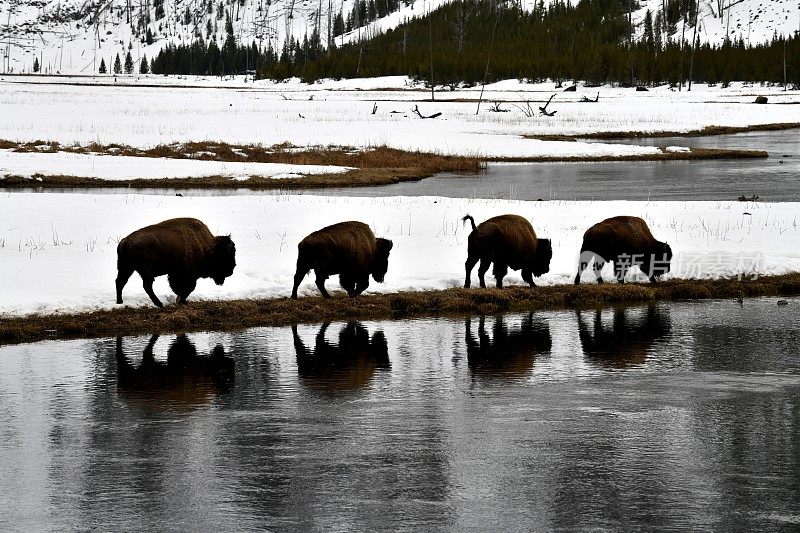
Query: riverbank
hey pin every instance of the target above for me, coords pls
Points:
(247, 313)
(207, 165)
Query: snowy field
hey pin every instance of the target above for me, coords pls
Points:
(28, 164)
(58, 251)
(337, 114)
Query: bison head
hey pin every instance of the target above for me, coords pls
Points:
(380, 263)
(660, 260)
(223, 259)
(541, 259)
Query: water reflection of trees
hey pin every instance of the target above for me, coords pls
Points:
(625, 340)
(348, 364)
(506, 351)
(185, 380)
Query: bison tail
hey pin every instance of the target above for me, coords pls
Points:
(471, 220)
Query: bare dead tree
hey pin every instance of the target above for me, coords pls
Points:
(543, 109)
(420, 115)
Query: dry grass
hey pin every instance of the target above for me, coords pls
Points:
(240, 314)
(704, 132)
(372, 166)
(352, 178)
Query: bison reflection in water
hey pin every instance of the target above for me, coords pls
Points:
(184, 381)
(348, 364)
(627, 339)
(508, 352)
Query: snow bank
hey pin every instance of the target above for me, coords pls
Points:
(52, 260)
(126, 167)
(311, 115)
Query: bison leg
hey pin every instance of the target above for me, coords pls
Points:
(482, 271)
(527, 276)
(299, 274)
(468, 266)
(348, 284)
(622, 264)
(500, 270)
(123, 275)
(362, 285)
(321, 285)
(182, 286)
(583, 264)
(599, 262)
(147, 283)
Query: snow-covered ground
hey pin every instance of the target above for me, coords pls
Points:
(58, 251)
(333, 113)
(28, 164)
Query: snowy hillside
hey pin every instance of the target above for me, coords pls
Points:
(72, 36)
(755, 21)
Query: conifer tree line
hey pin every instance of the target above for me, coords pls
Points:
(591, 41)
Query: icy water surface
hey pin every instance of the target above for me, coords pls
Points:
(669, 416)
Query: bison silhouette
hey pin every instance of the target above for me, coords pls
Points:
(508, 241)
(627, 242)
(182, 248)
(349, 249)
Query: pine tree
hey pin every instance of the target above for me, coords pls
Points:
(102, 66)
(36, 64)
(117, 66)
(338, 24)
(144, 67)
(128, 63)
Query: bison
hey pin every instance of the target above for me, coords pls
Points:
(508, 241)
(625, 241)
(182, 248)
(349, 249)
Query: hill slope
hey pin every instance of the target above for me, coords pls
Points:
(72, 36)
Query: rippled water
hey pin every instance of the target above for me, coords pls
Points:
(684, 415)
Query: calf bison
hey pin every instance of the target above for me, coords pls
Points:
(625, 241)
(182, 248)
(508, 241)
(349, 249)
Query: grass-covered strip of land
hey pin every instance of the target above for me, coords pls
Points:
(379, 165)
(352, 178)
(708, 131)
(689, 155)
(239, 314)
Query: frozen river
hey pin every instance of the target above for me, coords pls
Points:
(684, 415)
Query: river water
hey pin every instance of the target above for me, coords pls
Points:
(664, 416)
(775, 179)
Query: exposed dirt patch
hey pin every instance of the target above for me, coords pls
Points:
(240, 314)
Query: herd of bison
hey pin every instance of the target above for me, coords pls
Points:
(185, 250)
